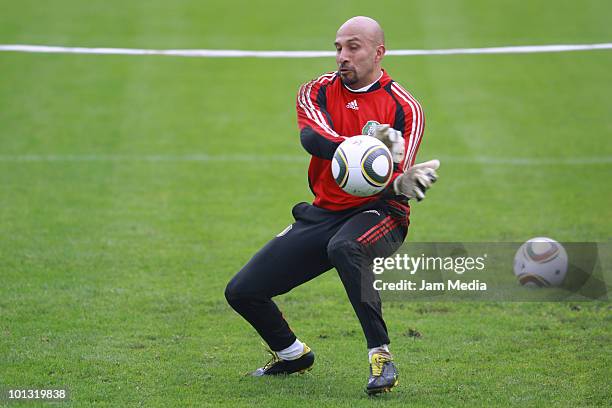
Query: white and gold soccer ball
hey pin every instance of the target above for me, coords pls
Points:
(541, 262)
(362, 166)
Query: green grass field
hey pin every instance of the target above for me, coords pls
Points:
(115, 246)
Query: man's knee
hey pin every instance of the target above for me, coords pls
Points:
(244, 289)
(236, 292)
(232, 292)
(343, 252)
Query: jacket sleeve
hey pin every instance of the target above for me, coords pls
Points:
(412, 126)
(317, 133)
(410, 120)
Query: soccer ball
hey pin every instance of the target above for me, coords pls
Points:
(541, 262)
(362, 166)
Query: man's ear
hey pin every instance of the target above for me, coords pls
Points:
(380, 53)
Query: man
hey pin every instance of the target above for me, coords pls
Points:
(339, 230)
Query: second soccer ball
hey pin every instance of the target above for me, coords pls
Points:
(362, 166)
(541, 262)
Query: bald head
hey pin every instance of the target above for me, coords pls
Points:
(366, 27)
(360, 48)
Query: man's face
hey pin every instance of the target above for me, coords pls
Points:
(356, 58)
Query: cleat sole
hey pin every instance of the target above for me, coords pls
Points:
(382, 390)
(305, 370)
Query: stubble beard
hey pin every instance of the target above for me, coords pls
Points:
(348, 81)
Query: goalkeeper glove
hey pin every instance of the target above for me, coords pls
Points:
(393, 139)
(416, 180)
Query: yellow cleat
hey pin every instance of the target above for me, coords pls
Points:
(383, 374)
(278, 366)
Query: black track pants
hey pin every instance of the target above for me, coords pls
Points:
(318, 241)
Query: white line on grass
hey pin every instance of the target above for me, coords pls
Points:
(515, 161)
(522, 49)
